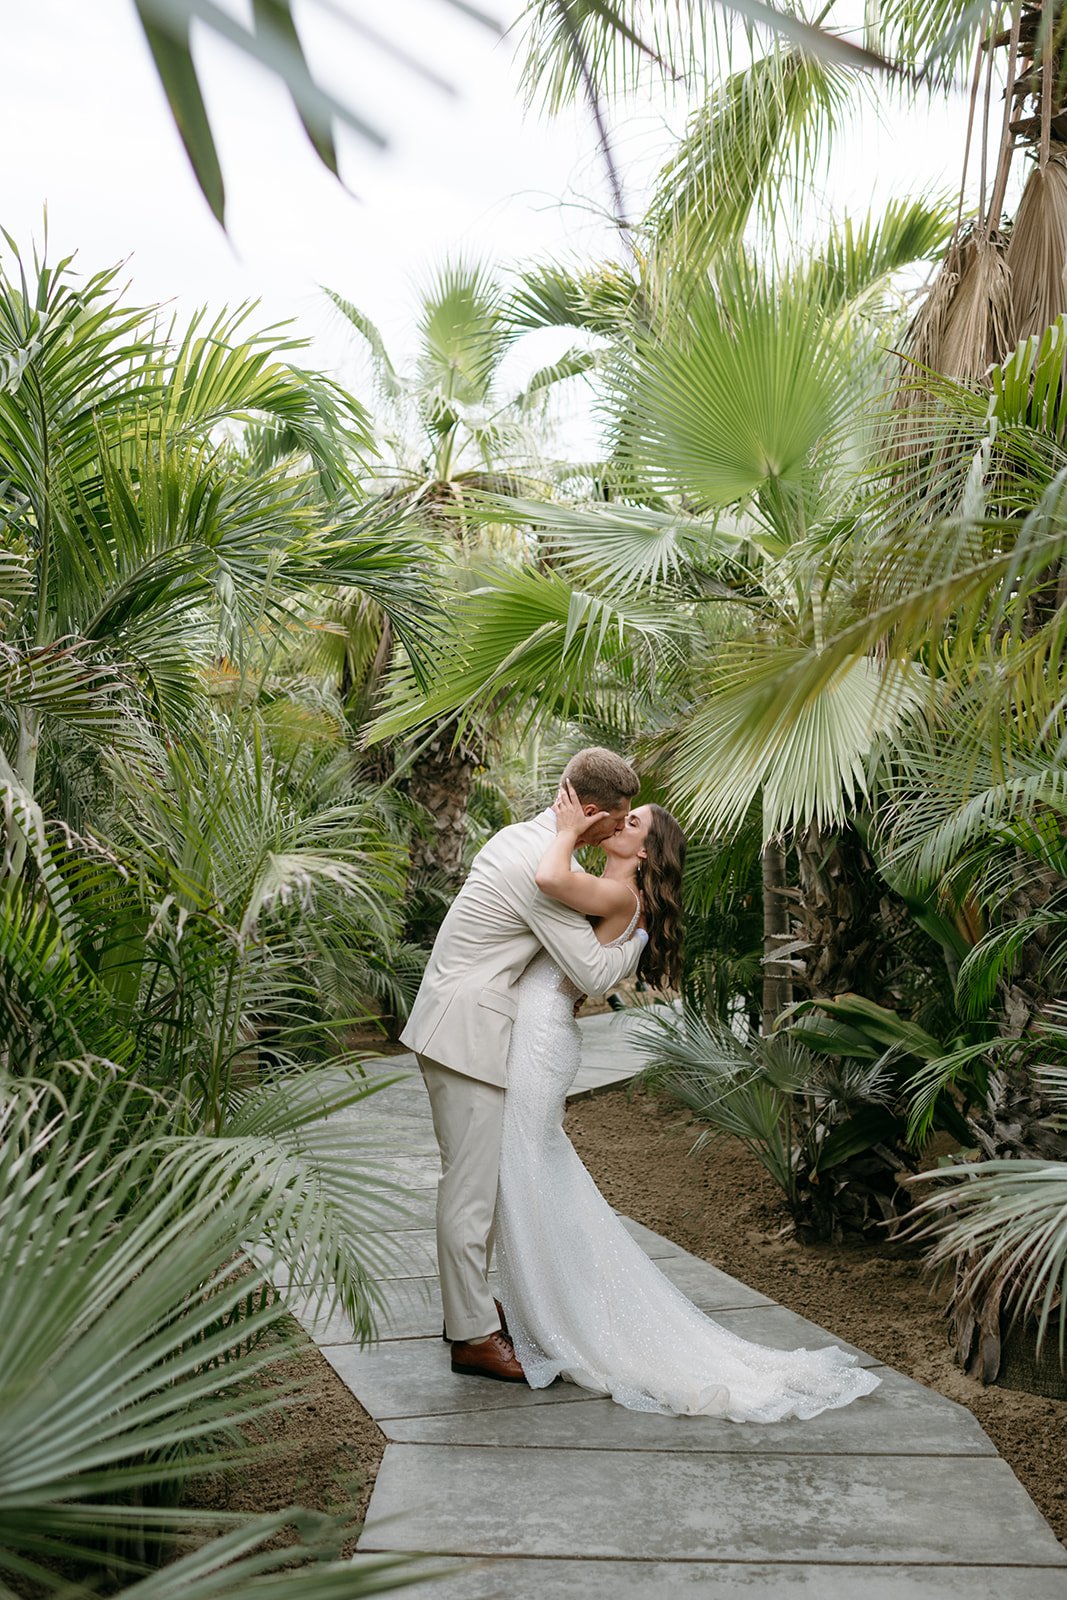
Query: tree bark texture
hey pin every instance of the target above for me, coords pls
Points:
(440, 781)
(845, 915)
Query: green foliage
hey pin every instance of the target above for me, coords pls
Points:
(763, 730)
(527, 642)
(834, 1105)
(825, 1125)
(1002, 1224)
(859, 257)
(937, 36)
(733, 390)
(756, 139)
(133, 1322)
(198, 897)
(723, 921)
(934, 1081)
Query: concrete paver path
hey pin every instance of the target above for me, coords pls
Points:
(559, 1493)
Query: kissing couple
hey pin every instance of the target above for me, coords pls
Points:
(494, 1030)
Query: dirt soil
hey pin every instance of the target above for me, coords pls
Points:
(325, 1449)
(722, 1206)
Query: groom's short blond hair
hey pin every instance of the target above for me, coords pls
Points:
(601, 778)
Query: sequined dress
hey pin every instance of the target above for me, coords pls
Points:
(582, 1299)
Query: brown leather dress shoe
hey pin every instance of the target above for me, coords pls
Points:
(490, 1358)
(500, 1314)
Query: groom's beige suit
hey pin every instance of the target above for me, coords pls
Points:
(460, 1029)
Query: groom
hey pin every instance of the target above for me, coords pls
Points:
(460, 1028)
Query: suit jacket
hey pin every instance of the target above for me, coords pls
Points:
(497, 923)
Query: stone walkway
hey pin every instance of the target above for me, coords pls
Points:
(557, 1493)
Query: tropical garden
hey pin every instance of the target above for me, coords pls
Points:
(276, 658)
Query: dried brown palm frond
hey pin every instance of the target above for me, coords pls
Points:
(965, 324)
(962, 327)
(1037, 251)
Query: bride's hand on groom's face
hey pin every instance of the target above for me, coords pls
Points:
(569, 814)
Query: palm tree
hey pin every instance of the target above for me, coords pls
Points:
(736, 396)
(137, 544)
(450, 432)
(187, 894)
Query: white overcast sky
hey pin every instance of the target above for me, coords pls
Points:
(85, 129)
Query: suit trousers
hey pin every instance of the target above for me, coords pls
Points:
(468, 1117)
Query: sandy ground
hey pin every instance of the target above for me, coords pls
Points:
(324, 1450)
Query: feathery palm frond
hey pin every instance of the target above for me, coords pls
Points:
(935, 36)
(385, 374)
(576, 48)
(601, 299)
(529, 644)
(50, 1005)
(947, 586)
(857, 257)
(756, 138)
(945, 796)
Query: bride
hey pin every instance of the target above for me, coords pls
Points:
(581, 1299)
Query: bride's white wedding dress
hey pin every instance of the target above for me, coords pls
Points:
(582, 1299)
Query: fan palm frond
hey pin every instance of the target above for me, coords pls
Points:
(735, 1091)
(251, 1563)
(461, 333)
(116, 1297)
(572, 364)
(762, 729)
(616, 547)
(1006, 1222)
(124, 1303)
(735, 392)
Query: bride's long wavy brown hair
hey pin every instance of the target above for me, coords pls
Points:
(660, 882)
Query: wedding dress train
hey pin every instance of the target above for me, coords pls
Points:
(582, 1299)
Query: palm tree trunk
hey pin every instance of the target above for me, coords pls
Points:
(844, 917)
(440, 782)
(777, 975)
